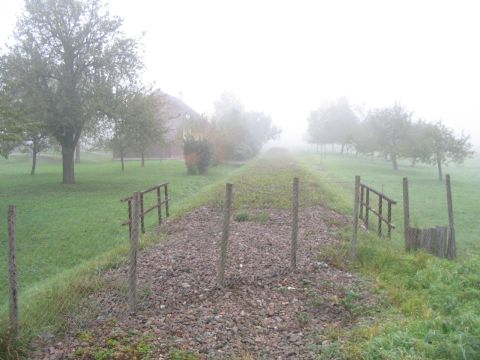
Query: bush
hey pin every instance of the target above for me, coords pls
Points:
(198, 154)
(243, 152)
(243, 216)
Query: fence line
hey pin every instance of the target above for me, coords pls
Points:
(142, 211)
(365, 204)
(439, 240)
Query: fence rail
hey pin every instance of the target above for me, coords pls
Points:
(366, 208)
(143, 211)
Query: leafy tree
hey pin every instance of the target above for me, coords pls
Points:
(144, 123)
(334, 123)
(443, 146)
(416, 147)
(73, 49)
(389, 128)
(10, 135)
(237, 134)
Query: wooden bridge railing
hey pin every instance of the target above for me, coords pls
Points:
(366, 208)
(143, 212)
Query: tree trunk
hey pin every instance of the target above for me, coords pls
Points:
(121, 159)
(68, 152)
(393, 156)
(143, 158)
(414, 162)
(343, 148)
(440, 172)
(34, 159)
(77, 153)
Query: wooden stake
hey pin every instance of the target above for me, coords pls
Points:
(225, 233)
(406, 214)
(167, 200)
(293, 255)
(132, 291)
(367, 209)
(380, 205)
(142, 215)
(159, 203)
(452, 246)
(362, 195)
(12, 269)
(353, 245)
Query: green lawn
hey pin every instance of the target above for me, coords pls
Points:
(60, 227)
(430, 306)
(428, 205)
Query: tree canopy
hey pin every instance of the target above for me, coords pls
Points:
(391, 132)
(66, 53)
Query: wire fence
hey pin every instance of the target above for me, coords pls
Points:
(56, 279)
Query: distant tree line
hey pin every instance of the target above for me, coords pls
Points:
(391, 132)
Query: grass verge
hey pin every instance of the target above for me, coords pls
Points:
(431, 307)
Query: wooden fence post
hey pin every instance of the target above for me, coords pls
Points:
(380, 206)
(362, 196)
(167, 200)
(406, 215)
(293, 255)
(223, 245)
(130, 217)
(353, 245)
(142, 215)
(367, 208)
(389, 220)
(159, 203)
(132, 291)
(12, 269)
(452, 246)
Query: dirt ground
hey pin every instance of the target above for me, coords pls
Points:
(265, 311)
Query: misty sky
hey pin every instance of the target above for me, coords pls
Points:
(286, 57)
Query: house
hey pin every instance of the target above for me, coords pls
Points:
(180, 120)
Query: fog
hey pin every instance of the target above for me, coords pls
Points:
(286, 57)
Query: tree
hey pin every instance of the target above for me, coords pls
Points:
(333, 123)
(10, 135)
(443, 146)
(144, 123)
(237, 134)
(389, 128)
(416, 147)
(74, 49)
(27, 106)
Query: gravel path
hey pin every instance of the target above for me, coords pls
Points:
(264, 310)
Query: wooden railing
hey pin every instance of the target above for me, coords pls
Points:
(366, 208)
(143, 212)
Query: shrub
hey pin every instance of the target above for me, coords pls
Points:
(198, 155)
(243, 216)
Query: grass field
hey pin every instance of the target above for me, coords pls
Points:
(430, 307)
(60, 227)
(428, 205)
